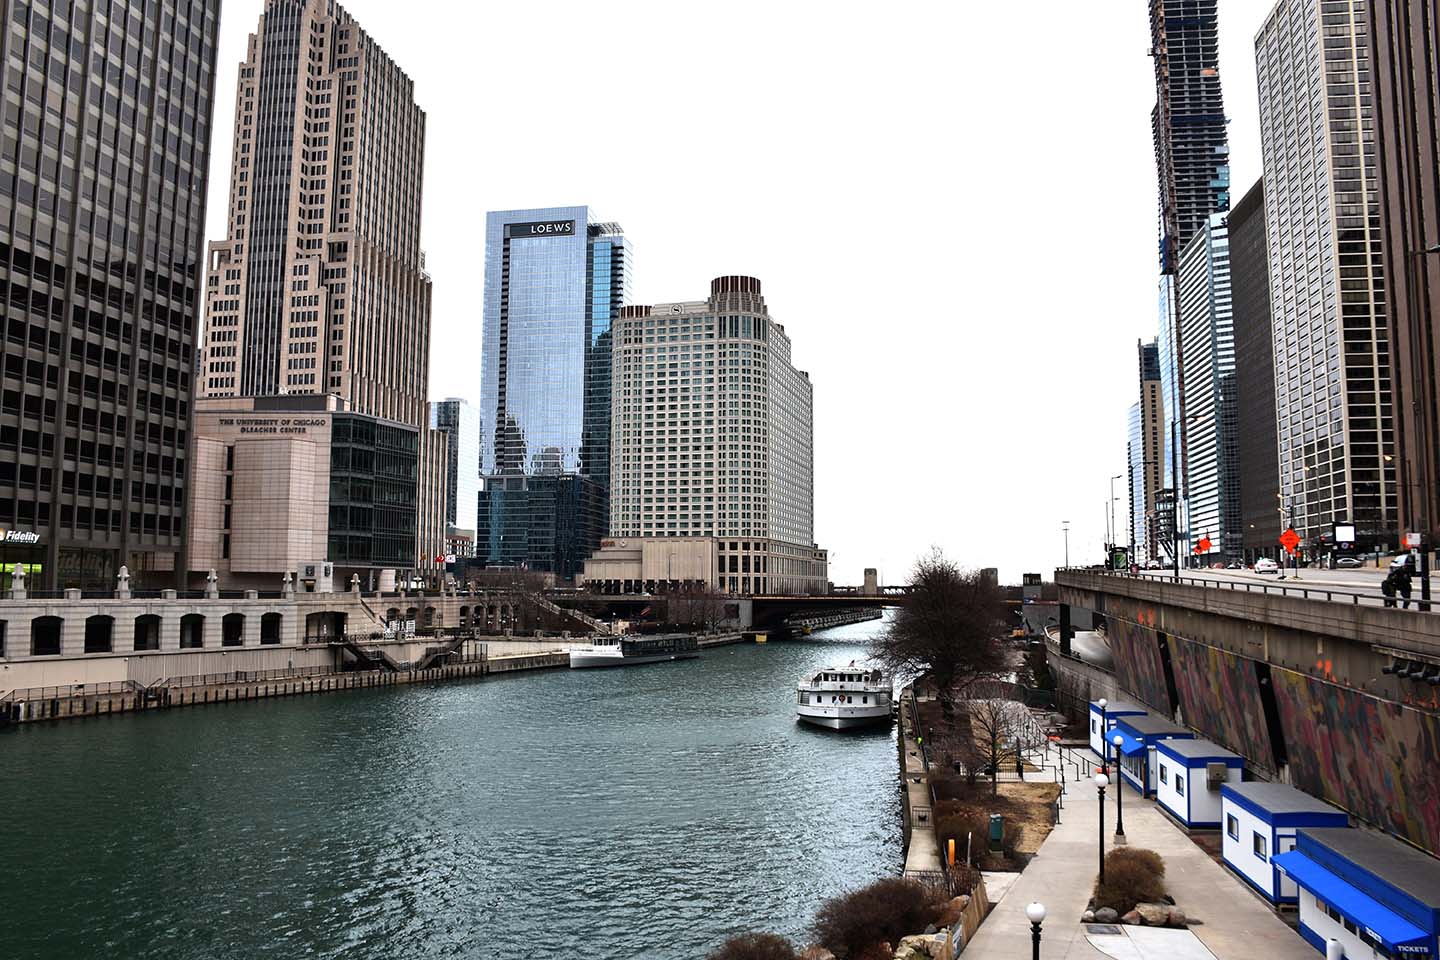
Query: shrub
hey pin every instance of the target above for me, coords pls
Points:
(755, 946)
(1131, 877)
(854, 924)
(1149, 859)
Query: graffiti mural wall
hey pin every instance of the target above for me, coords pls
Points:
(1220, 697)
(1372, 757)
(1137, 663)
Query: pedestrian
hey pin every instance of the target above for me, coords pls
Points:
(1019, 767)
(1387, 587)
(1402, 583)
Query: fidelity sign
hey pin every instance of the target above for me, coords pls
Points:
(19, 536)
(550, 228)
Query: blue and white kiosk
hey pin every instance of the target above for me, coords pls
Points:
(1377, 896)
(1188, 777)
(1111, 712)
(1259, 821)
(1139, 737)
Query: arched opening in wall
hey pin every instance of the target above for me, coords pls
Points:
(147, 632)
(392, 615)
(270, 628)
(232, 630)
(324, 626)
(99, 633)
(411, 616)
(464, 616)
(3, 624)
(192, 631)
(429, 617)
(45, 636)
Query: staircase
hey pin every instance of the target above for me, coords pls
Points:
(596, 626)
(437, 655)
(370, 658)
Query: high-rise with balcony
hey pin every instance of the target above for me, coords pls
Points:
(712, 431)
(102, 212)
(317, 307)
(1192, 160)
(555, 279)
(1327, 282)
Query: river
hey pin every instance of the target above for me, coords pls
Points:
(649, 811)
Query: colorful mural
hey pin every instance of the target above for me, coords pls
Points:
(1373, 757)
(1220, 697)
(1137, 662)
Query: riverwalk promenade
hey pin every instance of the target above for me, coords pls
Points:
(1233, 924)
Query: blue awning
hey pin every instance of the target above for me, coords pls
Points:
(1385, 925)
(1128, 744)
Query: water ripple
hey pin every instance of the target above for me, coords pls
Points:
(642, 812)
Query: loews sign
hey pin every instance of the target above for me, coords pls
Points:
(19, 536)
(549, 228)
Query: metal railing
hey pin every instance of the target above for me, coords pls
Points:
(1327, 592)
(108, 688)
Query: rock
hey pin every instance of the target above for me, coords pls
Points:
(816, 953)
(1177, 917)
(913, 948)
(1106, 915)
(1087, 917)
(950, 915)
(1153, 914)
(1132, 918)
(930, 929)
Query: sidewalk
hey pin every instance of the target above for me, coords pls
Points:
(1235, 924)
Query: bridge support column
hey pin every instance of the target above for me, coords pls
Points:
(1067, 632)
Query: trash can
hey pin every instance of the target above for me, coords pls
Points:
(997, 831)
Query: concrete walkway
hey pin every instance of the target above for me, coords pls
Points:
(1235, 924)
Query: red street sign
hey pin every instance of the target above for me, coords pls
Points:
(1290, 540)
(1204, 545)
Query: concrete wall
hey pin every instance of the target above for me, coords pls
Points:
(1315, 667)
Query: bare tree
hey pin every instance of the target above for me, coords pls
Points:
(998, 728)
(949, 628)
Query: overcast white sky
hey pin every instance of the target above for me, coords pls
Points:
(951, 207)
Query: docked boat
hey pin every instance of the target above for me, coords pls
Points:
(843, 697)
(624, 651)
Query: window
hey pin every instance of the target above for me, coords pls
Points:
(1165, 775)
(1094, 725)
(1232, 826)
(1261, 845)
(1180, 784)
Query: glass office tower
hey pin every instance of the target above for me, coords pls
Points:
(102, 211)
(555, 280)
(1334, 413)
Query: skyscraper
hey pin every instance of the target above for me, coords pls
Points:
(460, 423)
(1207, 337)
(1327, 285)
(318, 317)
(1404, 53)
(1192, 160)
(713, 438)
(555, 280)
(1192, 153)
(102, 208)
(1259, 472)
(321, 286)
(1146, 449)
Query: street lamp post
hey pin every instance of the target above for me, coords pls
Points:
(1035, 913)
(1174, 503)
(1065, 529)
(1119, 791)
(1101, 782)
(1114, 530)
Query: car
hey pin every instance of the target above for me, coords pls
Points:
(1234, 565)
(1348, 561)
(1266, 565)
(1402, 560)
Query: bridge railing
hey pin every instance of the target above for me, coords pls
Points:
(1327, 592)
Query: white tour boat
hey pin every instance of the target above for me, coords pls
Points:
(624, 651)
(844, 697)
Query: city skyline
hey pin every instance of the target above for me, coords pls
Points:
(787, 212)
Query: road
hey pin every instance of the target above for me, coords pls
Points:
(1313, 582)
